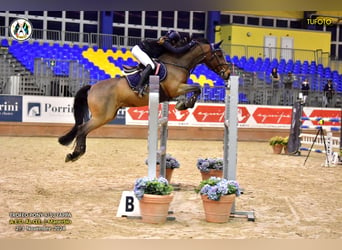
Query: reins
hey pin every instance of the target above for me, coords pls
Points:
(200, 58)
(192, 63)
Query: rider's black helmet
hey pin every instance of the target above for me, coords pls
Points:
(173, 35)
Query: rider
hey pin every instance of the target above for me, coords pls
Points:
(153, 48)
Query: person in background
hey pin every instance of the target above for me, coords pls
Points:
(275, 76)
(328, 92)
(275, 86)
(153, 48)
(305, 89)
(288, 95)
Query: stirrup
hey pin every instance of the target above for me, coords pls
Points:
(141, 92)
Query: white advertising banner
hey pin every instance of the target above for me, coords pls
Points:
(60, 110)
(212, 115)
(48, 109)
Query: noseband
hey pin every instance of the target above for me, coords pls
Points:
(220, 68)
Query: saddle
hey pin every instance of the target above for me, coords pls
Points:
(127, 69)
(133, 73)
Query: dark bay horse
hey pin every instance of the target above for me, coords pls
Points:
(106, 97)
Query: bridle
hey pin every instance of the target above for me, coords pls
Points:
(214, 54)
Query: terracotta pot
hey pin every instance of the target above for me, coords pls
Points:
(168, 173)
(212, 172)
(154, 208)
(277, 148)
(218, 211)
(286, 150)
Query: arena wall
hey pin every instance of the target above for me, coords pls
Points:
(53, 116)
(138, 131)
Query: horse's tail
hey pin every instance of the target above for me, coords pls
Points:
(80, 113)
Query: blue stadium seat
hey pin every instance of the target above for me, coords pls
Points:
(243, 98)
(131, 62)
(4, 42)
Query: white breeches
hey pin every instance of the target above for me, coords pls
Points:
(142, 56)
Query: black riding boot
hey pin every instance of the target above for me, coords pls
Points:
(143, 79)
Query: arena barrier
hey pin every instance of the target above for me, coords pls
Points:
(129, 204)
(328, 141)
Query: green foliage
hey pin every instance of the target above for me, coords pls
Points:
(210, 182)
(276, 140)
(285, 141)
(147, 185)
(159, 188)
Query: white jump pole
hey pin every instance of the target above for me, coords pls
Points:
(153, 105)
(231, 129)
(230, 139)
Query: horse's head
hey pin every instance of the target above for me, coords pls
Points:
(203, 52)
(214, 58)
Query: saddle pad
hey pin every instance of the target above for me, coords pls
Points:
(133, 79)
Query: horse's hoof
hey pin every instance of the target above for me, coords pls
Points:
(191, 102)
(190, 105)
(68, 157)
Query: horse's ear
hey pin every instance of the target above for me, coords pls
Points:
(217, 45)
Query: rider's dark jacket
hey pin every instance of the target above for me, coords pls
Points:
(154, 48)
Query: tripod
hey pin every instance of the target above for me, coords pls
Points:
(321, 133)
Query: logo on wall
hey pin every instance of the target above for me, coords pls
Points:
(21, 29)
(33, 109)
(204, 113)
(11, 108)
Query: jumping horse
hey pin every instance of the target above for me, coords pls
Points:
(106, 97)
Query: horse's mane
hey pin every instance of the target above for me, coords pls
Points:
(186, 40)
(200, 39)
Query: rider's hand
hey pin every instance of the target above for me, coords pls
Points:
(192, 43)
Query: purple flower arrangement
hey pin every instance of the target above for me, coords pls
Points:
(205, 164)
(215, 187)
(171, 162)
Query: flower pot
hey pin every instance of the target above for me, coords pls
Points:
(212, 172)
(277, 148)
(154, 208)
(168, 173)
(286, 151)
(218, 211)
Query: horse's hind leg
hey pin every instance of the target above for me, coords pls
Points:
(83, 131)
(79, 150)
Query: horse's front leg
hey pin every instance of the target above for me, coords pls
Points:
(185, 103)
(190, 102)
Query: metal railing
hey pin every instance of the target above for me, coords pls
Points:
(92, 39)
(239, 50)
(256, 90)
(108, 41)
